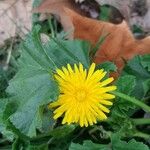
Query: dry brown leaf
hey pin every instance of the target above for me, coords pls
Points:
(120, 45)
(56, 7)
(53, 6)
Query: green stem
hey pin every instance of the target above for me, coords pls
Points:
(142, 135)
(51, 26)
(132, 100)
(141, 121)
(42, 136)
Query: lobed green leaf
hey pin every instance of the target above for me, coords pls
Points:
(34, 85)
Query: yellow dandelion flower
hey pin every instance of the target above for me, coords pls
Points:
(83, 95)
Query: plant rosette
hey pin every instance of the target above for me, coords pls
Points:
(58, 83)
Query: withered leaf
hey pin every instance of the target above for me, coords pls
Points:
(118, 47)
(56, 7)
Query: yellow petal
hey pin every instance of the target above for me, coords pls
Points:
(103, 108)
(106, 102)
(80, 67)
(108, 96)
(57, 115)
(54, 104)
(65, 71)
(76, 68)
(69, 68)
(91, 70)
(60, 73)
(106, 82)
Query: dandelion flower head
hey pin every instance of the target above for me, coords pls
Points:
(84, 96)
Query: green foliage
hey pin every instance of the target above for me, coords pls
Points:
(145, 61)
(135, 68)
(3, 83)
(64, 52)
(38, 147)
(34, 86)
(116, 144)
(7, 71)
(134, 81)
(27, 123)
(35, 81)
(105, 13)
(89, 145)
(62, 131)
(107, 66)
(137, 29)
(3, 129)
(97, 45)
(125, 84)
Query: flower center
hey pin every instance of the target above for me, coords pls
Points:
(81, 95)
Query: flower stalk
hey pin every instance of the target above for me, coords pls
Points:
(142, 135)
(141, 121)
(133, 100)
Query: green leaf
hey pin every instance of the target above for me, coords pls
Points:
(105, 13)
(59, 138)
(33, 88)
(34, 54)
(3, 103)
(125, 84)
(38, 147)
(34, 85)
(3, 127)
(107, 66)
(146, 86)
(89, 145)
(10, 108)
(62, 131)
(17, 144)
(137, 29)
(55, 53)
(145, 60)
(117, 144)
(97, 45)
(60, 144)
(31, 83)
(48, 122)
(5, 76)
(135, 68)
(64, 52)
(131, 145)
